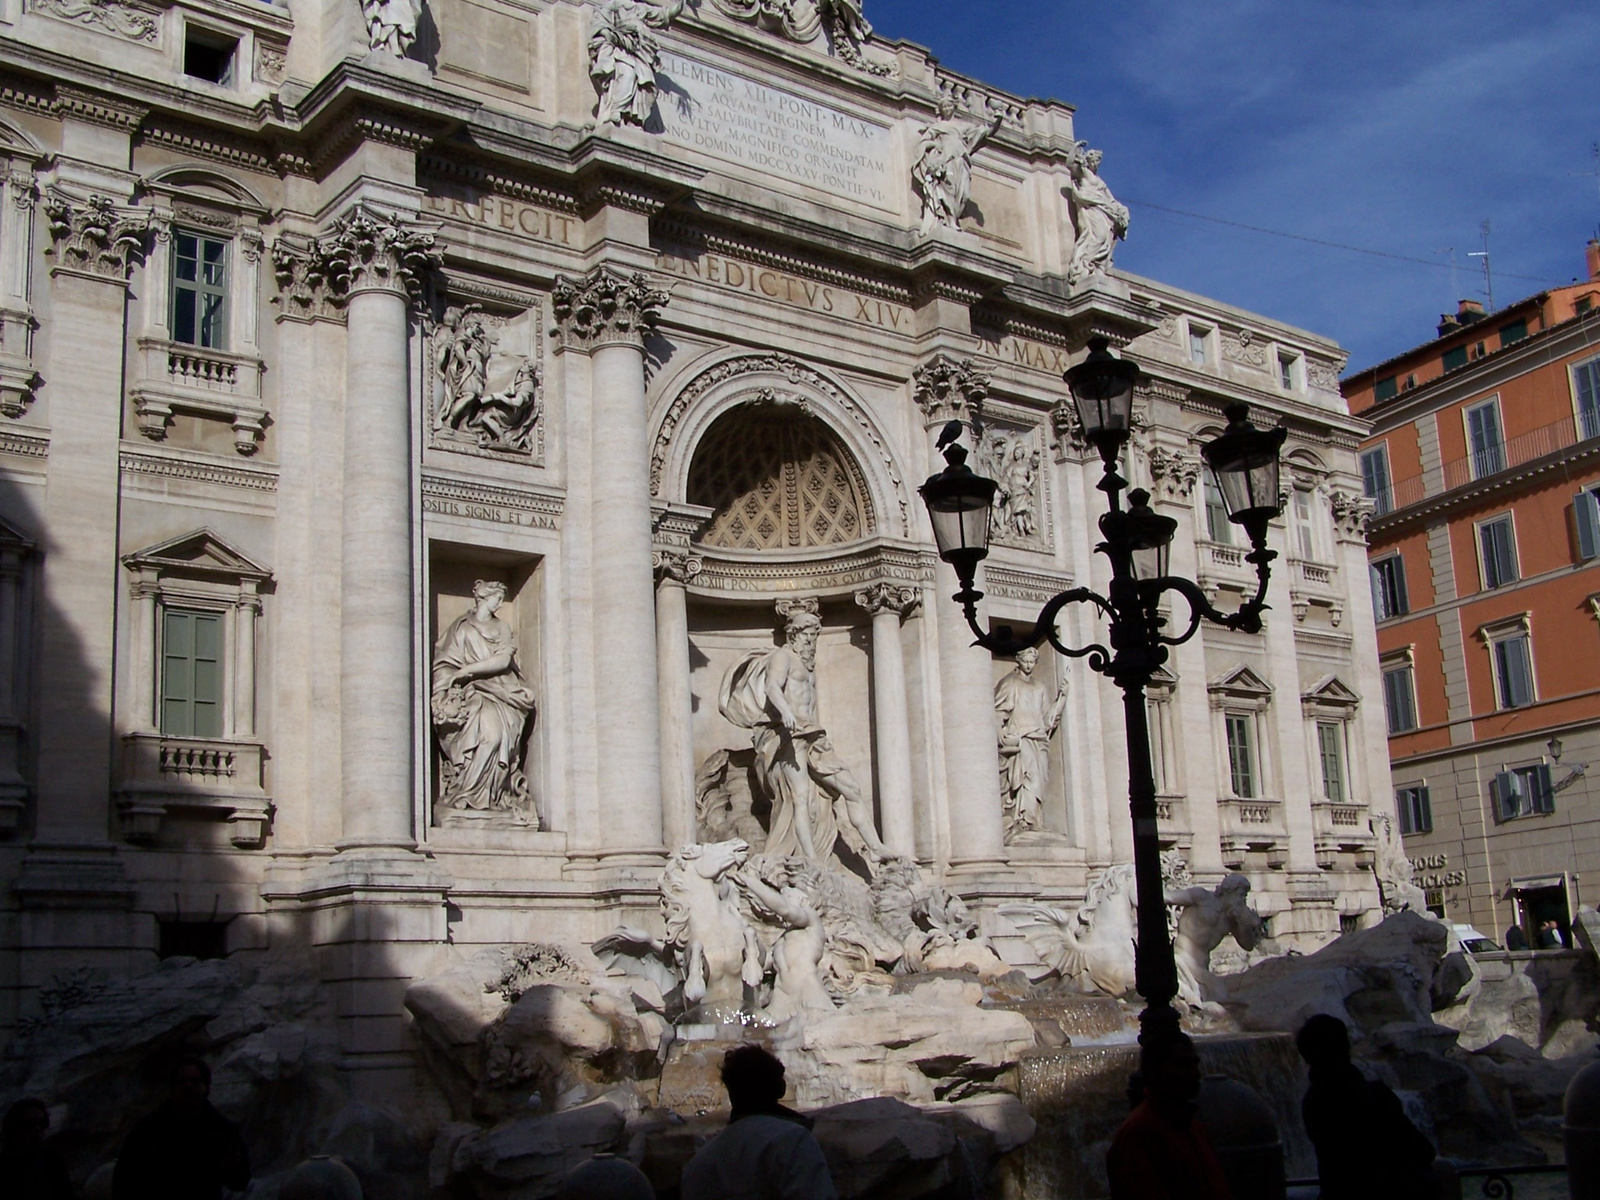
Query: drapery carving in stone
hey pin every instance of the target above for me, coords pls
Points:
(113, 16)
(949, 389)
(368, 249)
(942, 174)
(1100, 221)
(606, 307)
(465, 409)
(391, 25)
(624, 56)
(778, 480)
(888, 597)
(95, 235)
(481, 706)
(1173, 473)
(773, 693)
(1014, 463)
(843, 21)
(1028, 714)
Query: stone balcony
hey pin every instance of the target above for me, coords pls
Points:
(1223, 568)
(1342, 828)
(1316, 585)
(216, 385)
(215, 776)
(1253, 825)
(1176, 825)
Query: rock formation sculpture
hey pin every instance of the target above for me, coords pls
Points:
(942, 174)
(1100, 221)
(1092, 949)
(1205, 918)
(773, 693)
(624, 56)
(391, 25)
(481, 705)
(1029, 715)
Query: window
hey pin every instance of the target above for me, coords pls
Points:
(1484, 442)
(191, 674)
(1305, 528)
(1384, 389)
(1375, 479)
(1286, 372)
(1499, 549)
(192, 939)
(1584, 305)
(1400, 699)
(199, 290)
(1513, 670)
(1455, 359)
(209, 56)
(1330, 748)
(1586, 381)
(1522, 792)
(1414, 808)
(1218, 527)
(1197, 345)
(1389, 588)
(1241, 755)
(1513, 333)
(1586, 512)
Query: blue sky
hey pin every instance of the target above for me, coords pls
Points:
(1394, 126)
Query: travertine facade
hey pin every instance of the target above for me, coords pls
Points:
(411, 414)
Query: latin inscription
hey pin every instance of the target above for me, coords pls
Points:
(513, 216)
(1025, 353)
(493, 513)
(757, 125)
(785, 289)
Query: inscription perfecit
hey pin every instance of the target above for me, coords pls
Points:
(784, 288)
(739, 120)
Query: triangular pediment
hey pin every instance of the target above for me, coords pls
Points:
(1330, 689)
(202, 552)
(13, 537)
(1241, 681)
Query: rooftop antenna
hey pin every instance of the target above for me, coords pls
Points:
(1455, 276)
(1488, 274)
(1594, 171)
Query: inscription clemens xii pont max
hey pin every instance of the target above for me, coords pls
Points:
(742, 121)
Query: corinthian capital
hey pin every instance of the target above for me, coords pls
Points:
(370, 250)
(606, 307)
(949, 389)
(95, 236)
(888, 597)
(678, 566)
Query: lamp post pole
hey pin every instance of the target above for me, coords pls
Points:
(1244, 462)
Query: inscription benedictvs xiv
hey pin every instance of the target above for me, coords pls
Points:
(739, 120)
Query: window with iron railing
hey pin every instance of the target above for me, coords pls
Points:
(1375, 479)
(1486, 443)
(1586, 383)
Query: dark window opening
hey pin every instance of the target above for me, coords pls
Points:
(1455, 359)
(1385, 388)
(209, 56)
(193, 939)
(1513, 333)
(1414, 808)
(1349, 923)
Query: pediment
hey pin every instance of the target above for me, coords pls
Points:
(13, 537)
(1330, 689)
(1241, 681)
(202, 552)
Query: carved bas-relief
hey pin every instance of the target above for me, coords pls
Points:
(391, 25)
(1029, 715)
(844, 22)
(1014, 461)
(942, 174)
(624, 57)
(134, 22)
(1098, 220)
(482, 707)
(471, 353)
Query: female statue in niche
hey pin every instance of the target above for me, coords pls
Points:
(481, 708)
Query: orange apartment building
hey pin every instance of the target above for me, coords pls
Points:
(1483, 468)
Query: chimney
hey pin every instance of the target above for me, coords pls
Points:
(1469, 312)
(1448, 323)
(1592, 253)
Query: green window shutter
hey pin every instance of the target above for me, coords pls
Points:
(1513, 333)
(1384, 389)
(1328, 735)
(1240, 764)
(1586, 509)
(1587, 377)
(1455, 359)
(191, 674)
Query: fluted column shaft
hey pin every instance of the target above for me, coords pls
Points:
(888, 603)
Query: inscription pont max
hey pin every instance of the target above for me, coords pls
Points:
(739, 120)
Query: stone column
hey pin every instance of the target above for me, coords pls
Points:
(948, 389)
(674, 570)
(244, 665)
(889, 603)
(381, 259)
(606, 315)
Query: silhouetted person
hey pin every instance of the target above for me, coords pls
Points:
(1550, 937)
(1161, 1152)
(1516, 939)
(30, 1170)
(185, 1150)
(1367, 1148)
(767, 1151)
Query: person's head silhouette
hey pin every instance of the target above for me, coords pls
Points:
(1170, 1071)
(190, 1081)
(26, 1122)
(754, 1079)
(1324, 1042)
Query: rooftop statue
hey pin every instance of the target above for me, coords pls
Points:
(1100, 221)
(624, 56)
(391, 25)
(942, 175)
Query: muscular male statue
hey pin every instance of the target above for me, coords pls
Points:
(1207, 918)
(773, 693)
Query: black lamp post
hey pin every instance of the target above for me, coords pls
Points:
(1244, 462)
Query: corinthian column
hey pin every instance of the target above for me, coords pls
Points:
(382, 260)
(889, 603)
(674, 570)
(948, 389)
(606, 315)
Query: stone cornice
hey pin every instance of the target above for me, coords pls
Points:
(672, 230)
(434, 164)
(837, 571)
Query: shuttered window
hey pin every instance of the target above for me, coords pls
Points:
(1241, 755)
(1389, 597)
(1586, 380)
(1400, 699)
(1586, 513)
(1330, 747)
(1522, 792)
(1414, 808)
(1375, 479)
(1513, 670)
(191, 674)
(1487, 442)
(1499, 552)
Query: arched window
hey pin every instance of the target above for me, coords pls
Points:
(778, 480)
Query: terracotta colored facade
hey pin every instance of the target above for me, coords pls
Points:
(1483, 466)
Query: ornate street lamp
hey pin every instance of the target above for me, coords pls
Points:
(1244, 462)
